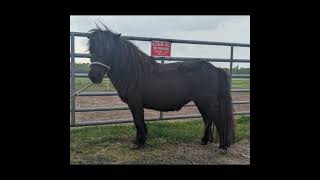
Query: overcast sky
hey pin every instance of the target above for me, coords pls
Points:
(205, 28)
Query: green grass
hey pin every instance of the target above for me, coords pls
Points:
(106, 85)
(241, 83)
(242, 128)
(110, 143)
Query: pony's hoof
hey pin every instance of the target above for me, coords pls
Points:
(204, 142)
(134, 146)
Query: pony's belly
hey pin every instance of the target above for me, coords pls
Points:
(165, 95)
(164, 107)
(165, 104)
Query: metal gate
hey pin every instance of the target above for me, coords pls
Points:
(74, 75)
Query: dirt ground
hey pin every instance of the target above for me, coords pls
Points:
(197, 154)
(110, 101)
(167, 154)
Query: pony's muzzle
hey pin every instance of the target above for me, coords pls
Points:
(95, 78)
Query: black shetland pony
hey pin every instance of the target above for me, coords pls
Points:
(141, 82)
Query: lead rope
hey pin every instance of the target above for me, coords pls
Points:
(76, 93)
(98, 63)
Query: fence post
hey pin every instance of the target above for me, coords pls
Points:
(161, 113)
(231, 64)
(72, 81)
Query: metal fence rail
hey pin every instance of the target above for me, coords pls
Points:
(74, 75)
(111, 93)
(134, 38)
(85, 75)
(81, 55)
(115, 108)
(121, 121)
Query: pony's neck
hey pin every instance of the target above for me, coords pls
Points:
(128, 72)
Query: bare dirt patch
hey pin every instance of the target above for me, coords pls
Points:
(194, 153)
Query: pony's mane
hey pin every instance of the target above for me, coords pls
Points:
(108, 35)
(129, 63)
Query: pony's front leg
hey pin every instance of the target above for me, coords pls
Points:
(138, 118)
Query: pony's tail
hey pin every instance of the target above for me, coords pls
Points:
(226, 123)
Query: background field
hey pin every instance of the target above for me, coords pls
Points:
(107, 86)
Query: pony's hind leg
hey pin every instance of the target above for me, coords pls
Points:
(207, 137)
(206, 111)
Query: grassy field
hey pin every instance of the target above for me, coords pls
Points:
(109, 144)
(241, 83)
(107, 86)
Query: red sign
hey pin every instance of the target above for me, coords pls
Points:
(160, 48)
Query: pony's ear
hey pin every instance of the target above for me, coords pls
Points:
(118, 35)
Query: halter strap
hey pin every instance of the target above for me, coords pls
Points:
(101, 64)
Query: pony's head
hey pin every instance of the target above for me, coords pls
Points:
(102, 44)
